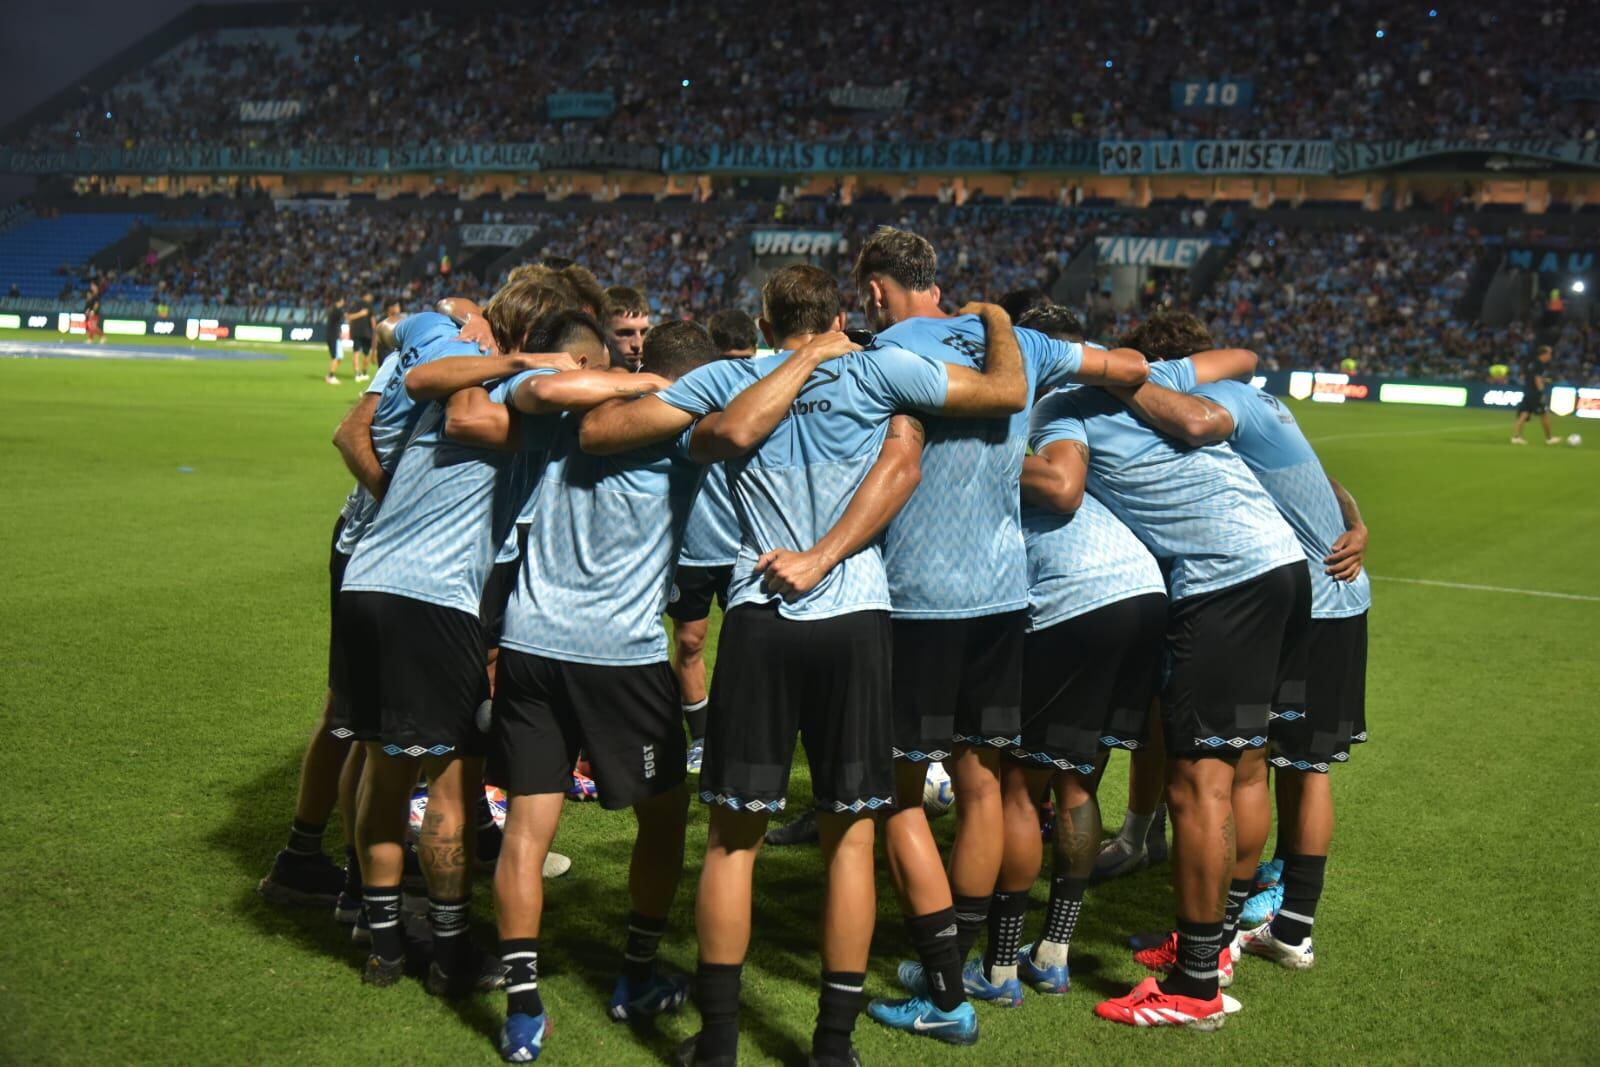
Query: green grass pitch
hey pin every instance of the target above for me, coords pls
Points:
(163, 616)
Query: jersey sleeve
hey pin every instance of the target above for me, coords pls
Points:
(903, 379)
(409, 329)
(390, 367)
(708, 388)
(1054, 362)
(538, 431)
(1176, 374)
(1056, 418)
(1236, 398)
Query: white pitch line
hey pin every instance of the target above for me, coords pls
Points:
(1397, 433)
(1488, 588)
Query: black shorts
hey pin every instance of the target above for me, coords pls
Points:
(1087, 683)
(337, 562)
(414, 676)
(362, 342)
(1318, 734)
(825, 680)
(626, 719)
(1532, 404)
(957, 682)
(1294, 658)
(497, 591)
(693, 589)
(1223, 653)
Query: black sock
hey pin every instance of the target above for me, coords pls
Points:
(971, 914)
(305, 838)
(1066, 901)
(837, 1007)
(1302, 888)
(452, 945)
(1199, 948)
(1239, 891)
(485, 813)
(383, 917)
(521, 957)
(695, 716)
(716, 990)
(934, 937)
(644, 937)
(352, 872)
(1007, 913)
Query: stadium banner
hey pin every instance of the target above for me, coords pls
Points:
(796, 243)
(344, 159)
(868, 97)
(1353, 157)
(487, 235)
(1576, 87)
(558, 106)
(1182, 252)
(1202, 95)
(1566, 400)
(892, 157)
(1331, 387)
(251, 111)
(1216, 157)
(1551, 260)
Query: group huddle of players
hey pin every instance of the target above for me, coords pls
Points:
(960, 539)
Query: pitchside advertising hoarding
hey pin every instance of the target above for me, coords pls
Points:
(1317, 387)
(194, 329)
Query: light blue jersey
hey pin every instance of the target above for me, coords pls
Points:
(796, 485)
(419, 339)
(605, 537)
(444, 519)
(955, 550)
(1083, 561)
(359, 506)
(712, 536)
(1199, 511)
(1269, 441)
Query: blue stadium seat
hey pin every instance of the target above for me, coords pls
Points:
(31, 253)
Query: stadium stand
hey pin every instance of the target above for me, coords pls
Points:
(42, 256)
(1361, 69)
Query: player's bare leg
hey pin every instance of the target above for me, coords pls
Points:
(531, 822)
(380, 841)
(688, 663)
(1077, 844)
(924, 889)
(722, 921)
(302, 873)
(848, 914)
(980, 839)
(1252, 818)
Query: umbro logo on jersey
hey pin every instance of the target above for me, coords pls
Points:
(806, 407)
(819, 377)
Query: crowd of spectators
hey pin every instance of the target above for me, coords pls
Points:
(292, 258)
(1387, 299)
(698, 71)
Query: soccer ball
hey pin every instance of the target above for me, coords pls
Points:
(1574, 439)
(937, 792)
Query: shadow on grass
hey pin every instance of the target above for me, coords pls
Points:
(259, 810)
(586, 912)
